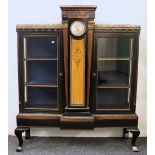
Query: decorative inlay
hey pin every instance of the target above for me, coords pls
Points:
(77, 71)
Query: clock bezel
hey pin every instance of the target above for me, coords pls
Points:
(81, 21)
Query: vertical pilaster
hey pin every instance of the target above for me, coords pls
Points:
(65, 44)
(89, 56)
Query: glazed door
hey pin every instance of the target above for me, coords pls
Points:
(42, 72)
(113, 68)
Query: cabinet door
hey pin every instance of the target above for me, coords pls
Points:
(42, 67)
(113, 56)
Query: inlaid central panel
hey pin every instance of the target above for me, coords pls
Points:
(77, 72)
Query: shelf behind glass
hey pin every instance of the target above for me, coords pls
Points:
(41, 46)
(41, 59)
(113, 73)
(36, 84)
(41, 72)
(112, 98)
(38, 97)
(120, 47)
(112, 78)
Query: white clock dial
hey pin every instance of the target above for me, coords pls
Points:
(78, 28)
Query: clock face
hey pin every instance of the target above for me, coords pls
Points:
(78, 28)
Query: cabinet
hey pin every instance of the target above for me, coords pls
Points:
(78, 74)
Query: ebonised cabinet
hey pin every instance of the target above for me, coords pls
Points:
(78, 74)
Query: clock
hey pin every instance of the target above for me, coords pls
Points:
(78, 28)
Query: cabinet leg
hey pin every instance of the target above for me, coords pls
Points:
(27, 134)
(125, 133)
(18, 133)
(135, 133)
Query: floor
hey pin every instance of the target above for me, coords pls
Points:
(77, 146)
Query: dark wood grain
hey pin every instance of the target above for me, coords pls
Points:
(89, 61)
(65, 43)
(78, 12)
(78, 120)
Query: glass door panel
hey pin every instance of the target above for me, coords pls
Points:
(41, 97)
(112, 98)
(114, 60)
(113, 73)
(42, 72)
(114, 47)
(41, 47)
(41, 69)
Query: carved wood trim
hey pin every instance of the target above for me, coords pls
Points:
(78, 11)
(91, 25)
(117, 28)
(38, 27)
(78, 14)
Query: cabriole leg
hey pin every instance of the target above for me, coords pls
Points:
(135, 133)
(27, 134)
(125, 133)
(18, 133)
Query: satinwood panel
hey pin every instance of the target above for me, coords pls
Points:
(77, 72)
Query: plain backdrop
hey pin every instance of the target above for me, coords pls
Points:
(48, 11)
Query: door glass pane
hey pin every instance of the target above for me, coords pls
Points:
(113, 73)
(41, 65)
(114, 57)
(37, 47)
(42, 72)
(40, 97)
(112, 98)
(119, 47)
